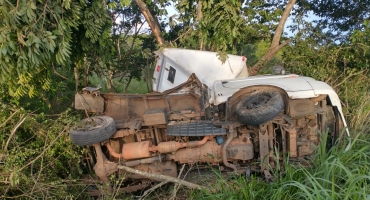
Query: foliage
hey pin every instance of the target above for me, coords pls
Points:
(126, 51)
(224, 26)
(38, 37)
(343, 66)
(333, 174)
(37, 158)
(340, 17)
(134, 87)
(255, 51)
(33, 36)
(221, 16)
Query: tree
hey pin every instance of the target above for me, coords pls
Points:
(151, 20)
(42, 38)
(339, 17)
(275, 44)
(37, 35)
(222, 25)
(124, 54)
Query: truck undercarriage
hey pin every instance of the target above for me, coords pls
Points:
(158, 132)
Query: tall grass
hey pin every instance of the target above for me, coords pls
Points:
(332, 174)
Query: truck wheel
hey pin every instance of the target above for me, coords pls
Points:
(92, 130)
(259, 107)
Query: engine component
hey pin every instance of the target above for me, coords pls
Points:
(142, 149)
(292, 145)
(197, 128)
(219, 139)
(300, 107)
(259, 107)
(239, 150)
(211, 152)
(308, 136)
(133, 150)
(172, 146)
(136, 150)
(230, 137)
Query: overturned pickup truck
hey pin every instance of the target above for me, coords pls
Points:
(206, 112)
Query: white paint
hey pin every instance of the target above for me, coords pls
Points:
(206, 66)
(223, 79)
(294, 85)
(297, 87)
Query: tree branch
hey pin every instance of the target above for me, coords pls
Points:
(8, 119)
(57, 73)
(162, 177)
(280, 27)
(13, 132)
(177, 186)
(265, 58)
(152, 21)
(349, 76)
(147, 192)
(275, 47)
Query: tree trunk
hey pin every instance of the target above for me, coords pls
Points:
(128, 83)
(152, 21)
(275, 47)
(200, 17)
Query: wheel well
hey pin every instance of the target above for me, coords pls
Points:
(239, 95)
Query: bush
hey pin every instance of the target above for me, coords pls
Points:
(37, 158)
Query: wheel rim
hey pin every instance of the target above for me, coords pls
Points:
(90, 124)
(257, 101)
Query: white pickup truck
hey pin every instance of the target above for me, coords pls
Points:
(208, 113)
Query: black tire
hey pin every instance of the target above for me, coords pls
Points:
(259, 107)
(92, 130)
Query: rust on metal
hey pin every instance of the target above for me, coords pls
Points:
(142, 122)
(136, 150)
(172, 146)
(89, 102)
(264, 146)
(293, 143)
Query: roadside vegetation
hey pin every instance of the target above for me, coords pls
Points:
(49, 50)
(333, 174)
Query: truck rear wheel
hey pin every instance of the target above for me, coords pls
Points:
(92, 130)
(259, 107)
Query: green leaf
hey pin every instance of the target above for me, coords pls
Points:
(125, 3)
(4, 50)
(14, 179)
(33, 6)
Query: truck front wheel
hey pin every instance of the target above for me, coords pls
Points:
(259, 107)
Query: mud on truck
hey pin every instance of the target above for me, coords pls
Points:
(208, 113)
